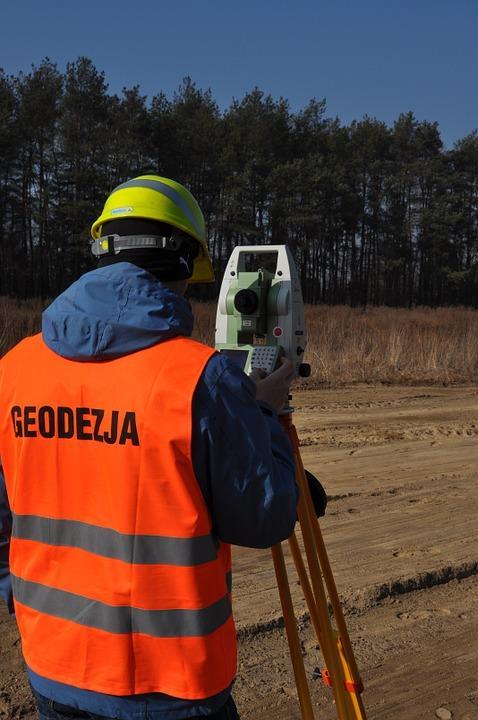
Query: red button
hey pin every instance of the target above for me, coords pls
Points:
(277, 331)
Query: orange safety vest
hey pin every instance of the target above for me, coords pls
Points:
(120, 585)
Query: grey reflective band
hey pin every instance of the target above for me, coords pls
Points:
(121, 619)
(137, 549)
(170, 193)
(116, 243)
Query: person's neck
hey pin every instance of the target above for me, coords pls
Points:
(177, 286)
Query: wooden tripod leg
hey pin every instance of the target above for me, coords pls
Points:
(352, 679)
(328, 645)
(334, 598)
(305, 585)
(355, 689)
(292, 634)
(345, 648)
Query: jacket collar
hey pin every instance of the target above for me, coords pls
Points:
(112, 311)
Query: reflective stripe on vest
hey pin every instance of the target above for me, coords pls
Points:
(121, 619)
(138, 549)
(120, 585)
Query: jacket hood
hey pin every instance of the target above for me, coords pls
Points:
(113, 311)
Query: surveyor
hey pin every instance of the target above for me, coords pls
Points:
(133, 457)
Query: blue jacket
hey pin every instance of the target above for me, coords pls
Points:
(241, 456)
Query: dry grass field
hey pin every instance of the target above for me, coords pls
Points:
(344, 345)
(389, 345)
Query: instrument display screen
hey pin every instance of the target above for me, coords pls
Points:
(237, 356)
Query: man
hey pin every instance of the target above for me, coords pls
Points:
(133, 456)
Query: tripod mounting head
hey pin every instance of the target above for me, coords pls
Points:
(260, 313)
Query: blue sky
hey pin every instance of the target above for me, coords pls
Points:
(363, 56)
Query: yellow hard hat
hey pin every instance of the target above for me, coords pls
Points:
(158, 198)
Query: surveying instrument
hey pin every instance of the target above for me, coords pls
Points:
(260, 319)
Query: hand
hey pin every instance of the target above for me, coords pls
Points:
(274, 389)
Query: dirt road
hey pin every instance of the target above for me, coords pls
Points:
(400, 468)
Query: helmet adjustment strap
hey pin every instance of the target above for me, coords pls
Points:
(113, 244)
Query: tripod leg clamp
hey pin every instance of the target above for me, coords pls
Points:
(350, 685)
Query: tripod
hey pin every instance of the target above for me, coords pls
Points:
(341, 673)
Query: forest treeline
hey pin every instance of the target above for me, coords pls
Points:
(373, 214)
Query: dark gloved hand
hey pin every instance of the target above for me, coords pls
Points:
(317, 493)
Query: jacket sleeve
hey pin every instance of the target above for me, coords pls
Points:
(242, 459)
(5, 533)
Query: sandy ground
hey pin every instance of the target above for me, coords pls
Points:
(400, 468)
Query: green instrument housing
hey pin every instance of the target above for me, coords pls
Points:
(251, 306)
(260, 312)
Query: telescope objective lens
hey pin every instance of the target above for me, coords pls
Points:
(246, 302)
